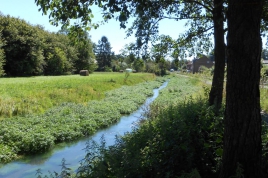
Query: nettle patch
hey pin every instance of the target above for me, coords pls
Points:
(69, 121)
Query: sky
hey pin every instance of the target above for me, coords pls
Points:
(28, 11)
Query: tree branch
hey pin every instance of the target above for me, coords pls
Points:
(208, 8)
(183, 18)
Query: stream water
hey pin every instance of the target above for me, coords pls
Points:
(72, 152)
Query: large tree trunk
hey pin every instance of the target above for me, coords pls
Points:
(215, 95)
(242, 122)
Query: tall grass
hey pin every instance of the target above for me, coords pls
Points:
(34, 95)
(264, 99)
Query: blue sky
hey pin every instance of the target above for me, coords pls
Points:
(27, 10)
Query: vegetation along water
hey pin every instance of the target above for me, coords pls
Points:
(126, 93)
(178, 106)
(67, 113)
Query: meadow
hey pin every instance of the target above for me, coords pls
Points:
(71, 120)
(34, 95)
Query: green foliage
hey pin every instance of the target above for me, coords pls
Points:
(70, 121)
(86, 56)
(265, 144)
(193, 174)
(23, 48)
(152, 67)
(239, 171)
(138, 65)
(30, 50)
(264, 73)
(57, 63)
(103, 54)
(127, 74)
(264, 99)
(177, 91)
(7, 153)
(37, 94)
(2, 55)
(182, 138)
(179, 138)
(263, 89)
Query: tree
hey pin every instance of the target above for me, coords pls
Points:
(103, 53)
(86, 57)
(203, 15)
(2, 56)
(215, 95)
(138, 65)
(23, 47)
(242, 122)
(59, 54)
(242, 135)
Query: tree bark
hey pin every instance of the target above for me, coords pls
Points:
(215, 95)
(242, 122)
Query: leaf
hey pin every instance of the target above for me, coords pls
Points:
(219, 151)
(219, 140)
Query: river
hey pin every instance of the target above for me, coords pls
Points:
(73, 152)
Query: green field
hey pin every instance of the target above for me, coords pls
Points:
(68, 118)
(33, 95)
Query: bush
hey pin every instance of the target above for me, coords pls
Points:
(181, 138)
(7, 153)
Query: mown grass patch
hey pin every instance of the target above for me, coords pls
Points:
(33, 95)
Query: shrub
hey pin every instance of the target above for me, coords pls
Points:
(181, 138)
(7, 153)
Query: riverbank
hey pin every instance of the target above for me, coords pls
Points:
(69, 121)
(73, 152)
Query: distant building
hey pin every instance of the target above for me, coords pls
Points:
(203, 61)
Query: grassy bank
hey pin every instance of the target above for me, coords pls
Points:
(69, 121)
(181, 138)
(34, 95)
(164, 143)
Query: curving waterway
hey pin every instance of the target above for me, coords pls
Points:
(73, 152)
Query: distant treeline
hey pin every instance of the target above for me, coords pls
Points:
(29, 50)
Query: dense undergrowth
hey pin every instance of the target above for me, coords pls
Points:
(69, 121)
(180, 137)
